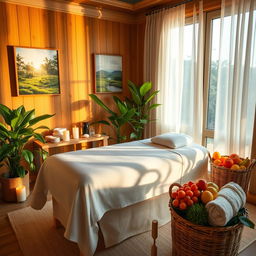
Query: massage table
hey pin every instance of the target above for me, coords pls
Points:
(117, 189)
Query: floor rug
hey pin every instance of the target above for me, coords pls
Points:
(37, 236)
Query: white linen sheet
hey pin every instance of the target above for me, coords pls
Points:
(90, 183)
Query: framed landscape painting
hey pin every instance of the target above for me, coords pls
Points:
(37, 71)
(108, 73)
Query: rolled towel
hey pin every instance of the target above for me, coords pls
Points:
(238, 189)
(231, 198)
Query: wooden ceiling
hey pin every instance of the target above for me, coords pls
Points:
(126, 5)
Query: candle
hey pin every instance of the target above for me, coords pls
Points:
(21, 193)
(75, 132)
(66, 136)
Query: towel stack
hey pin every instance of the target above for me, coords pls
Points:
(231, 198)
(52, 139)
(58, 132)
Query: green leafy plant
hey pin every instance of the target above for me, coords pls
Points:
(141, 101)
(15, 132)
(116, 119)
(241, 217)
(197, 214)
(134, 110)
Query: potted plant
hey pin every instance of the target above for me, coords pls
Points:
(141, 101)
(116, 119)
(15, 132)
(134, 111)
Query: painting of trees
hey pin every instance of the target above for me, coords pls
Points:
(37, 71)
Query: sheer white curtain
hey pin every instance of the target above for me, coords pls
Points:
(178, 75)
(236, 86)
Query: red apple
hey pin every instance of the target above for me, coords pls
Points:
(228, 163)
(194, 187)
(235, 158)
(190, 183)
(202, 184)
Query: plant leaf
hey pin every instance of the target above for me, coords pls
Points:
(153, 94)
(14, 122)
(121, 106)
(39, 118)
(28, 156)
(126, 117)
(41, 127)
(39, 137)
(21, 171)
(153, 106)
(132, 86)
(133, 136)
(4, 151)
(143, 121)
(245, 221)
(146, 87)
(135, 93)
(136, 98)
(6, 113)
(100, 103)
(27, 116)
(20, 110)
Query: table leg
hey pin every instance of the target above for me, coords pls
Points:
(105, 142)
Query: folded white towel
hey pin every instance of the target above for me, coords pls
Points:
(231, 198)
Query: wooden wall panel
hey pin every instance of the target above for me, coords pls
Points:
(5, 95)
(137, 53)
(77, 38)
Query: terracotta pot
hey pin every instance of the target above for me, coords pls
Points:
(9, 186)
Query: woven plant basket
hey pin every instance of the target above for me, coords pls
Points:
(189, 239)
(221, 175)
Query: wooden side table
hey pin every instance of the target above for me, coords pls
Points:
(52, 148)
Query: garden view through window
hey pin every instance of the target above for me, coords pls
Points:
(212, 54)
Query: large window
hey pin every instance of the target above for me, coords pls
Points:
(212, 55)
(212, 50)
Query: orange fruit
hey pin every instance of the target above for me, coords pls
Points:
(181, 194)
(190, 202)
(206, 196)
(216, 155)
(235, 167)
(197, 193)
(194, 199)
(189, 193)
(183, 206)
(213, 191)
(217, 162)
(223, 158)
(175, 203)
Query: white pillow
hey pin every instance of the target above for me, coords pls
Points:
(172, 140)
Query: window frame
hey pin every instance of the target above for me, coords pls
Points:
(207, 133)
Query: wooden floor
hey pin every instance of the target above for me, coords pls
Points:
(9, 245)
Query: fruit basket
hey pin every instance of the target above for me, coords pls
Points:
(221, 175)
(190, 239)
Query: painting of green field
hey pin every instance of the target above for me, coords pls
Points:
(108, 73)
(37, 71)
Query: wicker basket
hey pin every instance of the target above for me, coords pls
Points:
(189, 239)
(221, 175)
